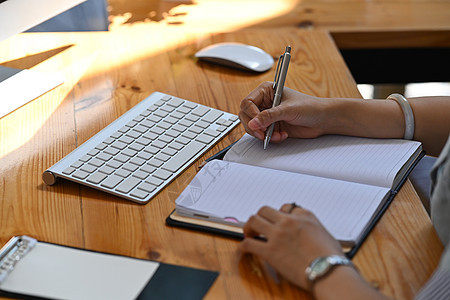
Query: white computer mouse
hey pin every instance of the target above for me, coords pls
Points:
(237, 55)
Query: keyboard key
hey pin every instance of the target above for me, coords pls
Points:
(184, 110)
(133, 134)
(168, 108)
(166, 98)
(164, 125)
(114, 164)
(143, 141)
(159, 144)
(96, 162)
(190, 135)
(129, 152)
(162, 156)
(183, 140)
(212, 132)
(69, 170)
(161, 113)
(88, 168)
(104, 156)
(175, 145)
(155, 181)
(137, 161)
(146, 187)
(96, 178)
(86, 158)
(121, 158)
(77, 164)
(166, 139)
(200, 111)
(131, 124)
(126, 139)
(136, 147)
(128, 184)
(212, 116)
(93, 152)
(80, 174)
(123, 173)
(154, 119)
(112, 151)
(145, 155)
(169, 151)
(179, 128)
(140, 174)
(177, 115)
(139, 194)
(130, 167)
(150, 135)
(151, 149)
(173, 133)
(186, 123)
(181, 157)
(206, 139)
(192, 118)
(175, 102)
(141, 129)
(202, 124)
(196, 129)
(148, 169)
(147, 123)
(107, 170)
(119, 145)
(190, 105)
(101, 146)
(162, 174)
(155, 162)
(157, 130)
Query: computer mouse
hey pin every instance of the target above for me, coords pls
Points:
(237, 55)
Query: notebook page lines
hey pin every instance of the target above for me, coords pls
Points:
(344, 208)
(371, 161)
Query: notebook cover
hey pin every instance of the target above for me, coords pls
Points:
(211, 227)
(168, 282)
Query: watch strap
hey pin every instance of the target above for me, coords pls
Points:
(322, 266)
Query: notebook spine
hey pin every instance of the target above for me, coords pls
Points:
(16, 248)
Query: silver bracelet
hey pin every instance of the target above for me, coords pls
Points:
(407, 112)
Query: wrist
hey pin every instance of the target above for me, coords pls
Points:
(367, 118)
(323, 266)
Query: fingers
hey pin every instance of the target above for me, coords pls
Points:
(261, 223)
(258, 100)
(290, 207)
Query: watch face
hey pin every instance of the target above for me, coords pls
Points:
(321, 266)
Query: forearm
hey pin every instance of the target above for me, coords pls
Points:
(345, 283)
(384, 119)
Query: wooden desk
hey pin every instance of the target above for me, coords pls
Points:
(107, 74)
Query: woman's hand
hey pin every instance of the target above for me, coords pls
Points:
(294, 240)
(298, 115)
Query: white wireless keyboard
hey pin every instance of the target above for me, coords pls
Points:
(142, 151)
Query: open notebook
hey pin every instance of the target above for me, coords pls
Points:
(346, 181)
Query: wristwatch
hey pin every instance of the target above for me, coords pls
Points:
(322, 266)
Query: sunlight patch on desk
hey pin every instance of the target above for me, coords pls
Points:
(184, 24)
(20, 126)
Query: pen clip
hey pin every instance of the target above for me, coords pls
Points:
(277, 71)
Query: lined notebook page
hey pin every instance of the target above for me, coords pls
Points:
(227, 191)
(370, 161)
(58, 272)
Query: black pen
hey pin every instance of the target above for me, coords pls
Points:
(278, 85)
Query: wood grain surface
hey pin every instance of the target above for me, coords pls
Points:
(107, 74)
